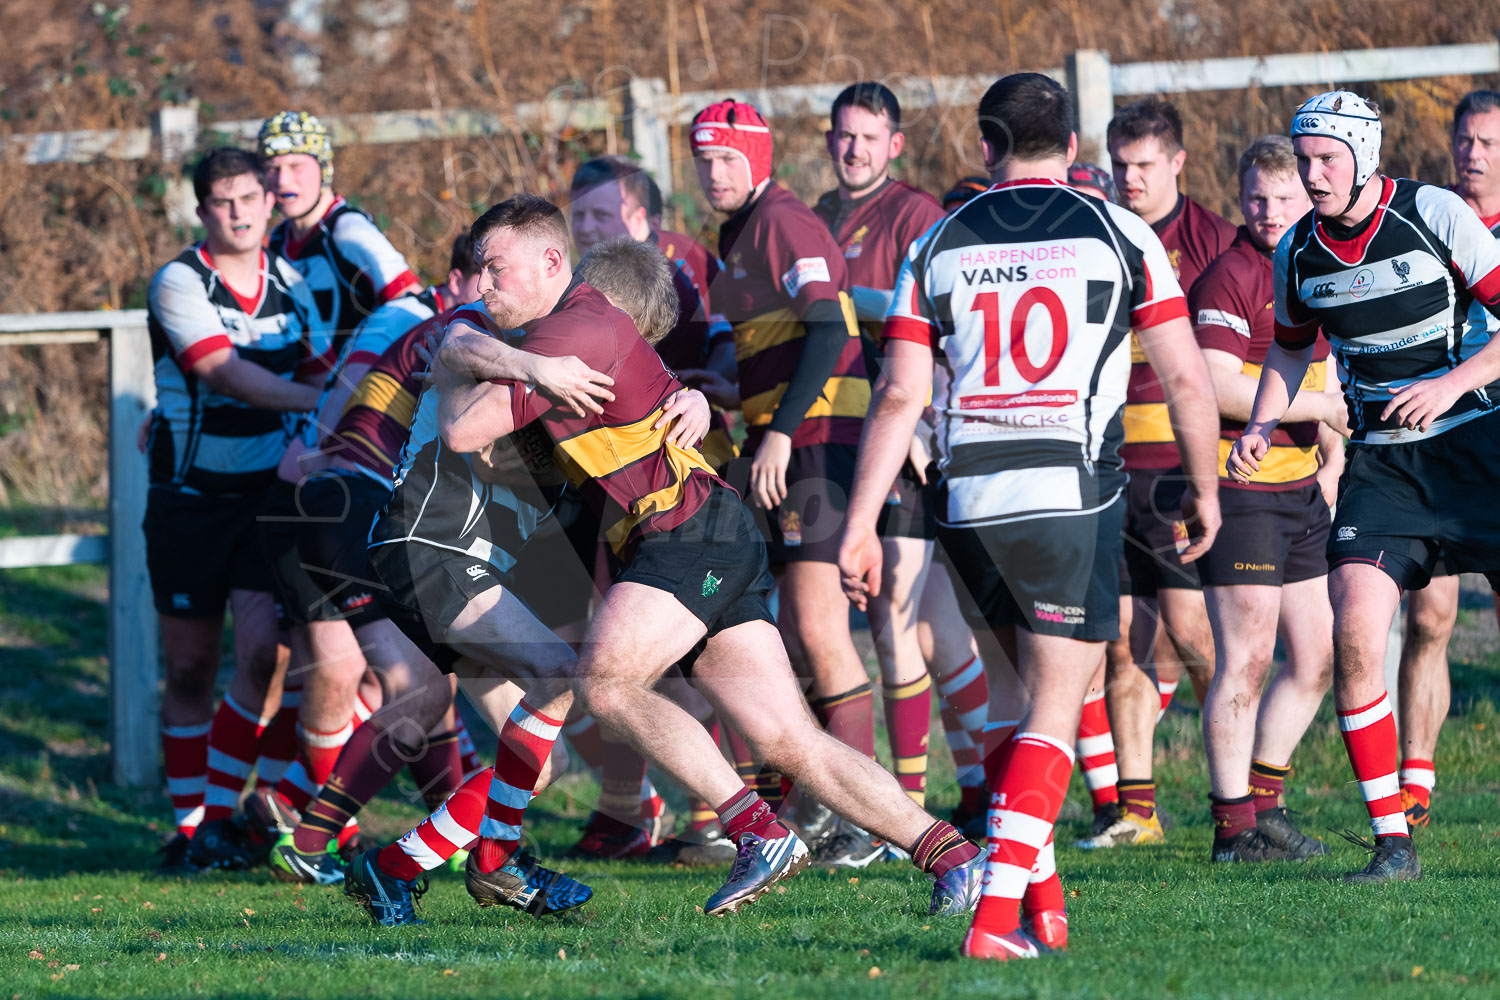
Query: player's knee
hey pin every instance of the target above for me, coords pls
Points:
(1429, 628)
(191, 677)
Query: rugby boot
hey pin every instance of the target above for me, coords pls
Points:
(1019, 943)
(1250, 844)
(758, 864)
(390, 902)
(291, 865)
(172, 857)
(850, 847)
(458, 861)
(265, 810)
(356, 845)
(957, 892)
(814, 822)
(1416, 813)
(1050, 927)
(524, 885)
(1279, 829)
(1105, 817)
(222, 843)
(1393, 859)
(607, 839)
(1128, 829)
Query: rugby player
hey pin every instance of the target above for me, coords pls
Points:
(873, 219)
(804, 390)
(694, 568)
(1165, 595)
(229, 324)
(1391, 270)
(1267, 574)
(1029, 292)
(1424, 691)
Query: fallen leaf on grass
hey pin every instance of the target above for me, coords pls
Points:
(249, 912)
(72, 968)
(161, 956)
(875, 972)
(148, 905)
(35, 955)
(96, 909)
(449, 972)
(561, 954)
(1416, 970)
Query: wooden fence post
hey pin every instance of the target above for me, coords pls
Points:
(647, 129)
(1089, 78)
(133, 676)
(176, 128)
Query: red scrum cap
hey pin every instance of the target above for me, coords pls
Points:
(738, 128)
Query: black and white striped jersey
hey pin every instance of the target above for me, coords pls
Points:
(1402, 300)
(1027, 295)
(202, 441)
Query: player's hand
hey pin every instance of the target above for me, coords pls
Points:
(768, 471)
(1417, 405)
(1245, 456)
(1328, 484)
(1202, 517)
(143, 434)
(720, 391)
(919, 456)
(860, 563)
(690, 409)
(572, 383)
(427, 347)
(1337, 417)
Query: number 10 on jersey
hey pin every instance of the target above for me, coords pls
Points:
(988, 304)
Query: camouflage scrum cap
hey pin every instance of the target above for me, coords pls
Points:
(297, 132)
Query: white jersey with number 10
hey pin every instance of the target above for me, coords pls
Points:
(1027, 295)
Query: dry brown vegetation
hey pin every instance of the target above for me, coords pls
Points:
(90, 236)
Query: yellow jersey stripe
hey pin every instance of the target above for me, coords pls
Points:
(843, 396)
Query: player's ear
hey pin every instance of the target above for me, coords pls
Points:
(1178, 159)
(898, 143)
(1072, 147)
(987, 150)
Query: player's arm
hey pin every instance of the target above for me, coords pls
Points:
(471, 415)
(1235, 392)
(1189, 390)
(567, 380)
(228, 374)
(1280, 377)
(896, 404)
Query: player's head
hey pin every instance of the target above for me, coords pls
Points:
(299, 160)
(233, 203)
(1336, 136)
(463, 270)
(609, 197)
(1272, 198)
(1146, 155)
(1093, 180)
(965, 189)
(732, 151)
(524, 258)
(1476, 144)
(865, 135)
(636, 277)
(1026, 117)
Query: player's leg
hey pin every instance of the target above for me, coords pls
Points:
(249, 706)
(190, 665)
(1096, 752)
(1134, 703)
(1424, 690)
(952, 657)
(906, 686)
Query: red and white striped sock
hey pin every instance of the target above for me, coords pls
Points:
(1166, 689)
(1418, 779)
(1096, 752)
(994, 744)
(971, 786)
(967, 692)
(587, 739)
(452, 828)
(278, 744)
(184, 751)
(468, 752)
(320, 751)
(525, 741)
(1043, 903)
(1370, 737)
(233, 744)
(1028, 791)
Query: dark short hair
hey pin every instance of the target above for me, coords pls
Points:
(1027, 116)
(1150, 117)
(633, 179)
(225, 161)
(873, 97)
(1475, 102)
(636, 277)
(531, 214)
(461, 259)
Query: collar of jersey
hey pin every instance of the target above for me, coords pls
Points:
(1352, 251)
(293, 244)
(1028, 182)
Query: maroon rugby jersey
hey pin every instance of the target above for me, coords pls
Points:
(631, 478)
(779, 258)
(1233, 305)
(875, 231)
(1193, 236)
(702, 268)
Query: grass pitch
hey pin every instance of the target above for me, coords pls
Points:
(80, 918)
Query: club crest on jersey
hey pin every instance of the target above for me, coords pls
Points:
(1362, 283)
(857, 243)
(791, 528)
(1403, 271)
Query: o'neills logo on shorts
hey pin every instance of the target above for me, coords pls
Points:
(1061, 614)
(791, 528)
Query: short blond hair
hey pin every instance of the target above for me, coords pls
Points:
(637, 279)
(1271, 153)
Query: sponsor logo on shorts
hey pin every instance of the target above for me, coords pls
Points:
(711, 584)
(1347, 534)
(1061, 614)
(1256, 567)
(182, 602)
(791, 528)
(476, 571)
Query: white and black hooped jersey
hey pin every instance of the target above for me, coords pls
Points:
(203, 441)
(1027, 295)
(1403, 300)
(439, 500)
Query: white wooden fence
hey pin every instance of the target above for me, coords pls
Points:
(650, 114)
